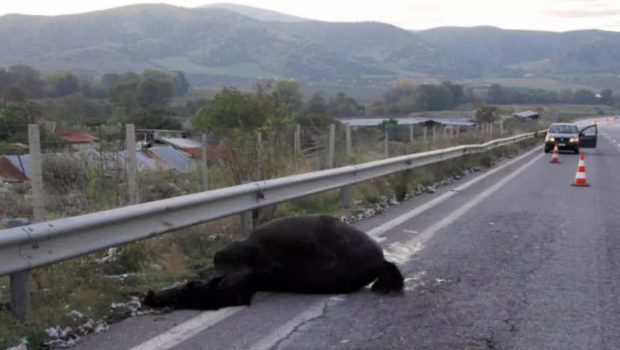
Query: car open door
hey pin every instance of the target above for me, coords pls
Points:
(588, 136)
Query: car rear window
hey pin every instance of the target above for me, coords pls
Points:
(563, 129)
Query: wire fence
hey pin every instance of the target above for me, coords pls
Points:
(89, 169)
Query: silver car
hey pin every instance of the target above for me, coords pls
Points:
(568, 137)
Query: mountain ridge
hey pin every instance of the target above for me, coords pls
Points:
(215, 43)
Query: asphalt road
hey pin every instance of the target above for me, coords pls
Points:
(519, 259)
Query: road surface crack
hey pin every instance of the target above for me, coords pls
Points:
(321, 314)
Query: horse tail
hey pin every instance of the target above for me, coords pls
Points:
(390, 279)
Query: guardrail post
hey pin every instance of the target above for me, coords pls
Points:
(434, 134)
(20, 295)
(425, 134)
(501, 127)
(131, 162)
(345, 192)
(204, 167)
(332, 146)
(411, 134)
(348, 140)
(247, 222)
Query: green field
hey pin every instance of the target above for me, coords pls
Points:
(532, 83)
(241, 70)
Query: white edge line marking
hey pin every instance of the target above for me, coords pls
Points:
(315, 310)
(414, 244)
(188, 329)
(208, 319)
(381, 229)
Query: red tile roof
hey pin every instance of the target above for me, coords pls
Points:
(214, 153)
(79, 137)
(9, 173)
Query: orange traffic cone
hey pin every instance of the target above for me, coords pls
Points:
(580, 177)
(555, 159)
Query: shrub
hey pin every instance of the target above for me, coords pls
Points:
(64, 174)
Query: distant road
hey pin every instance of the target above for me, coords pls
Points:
(517, 260)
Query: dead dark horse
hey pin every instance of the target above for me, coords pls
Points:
(308, 254)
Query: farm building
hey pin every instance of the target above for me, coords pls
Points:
(527, 115)
(80, 140)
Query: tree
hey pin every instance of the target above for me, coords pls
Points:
(110, 80)
(152, 92)
(28, 79)
(125, 96)
(344, 106)
(62, 83)
(458, 95)
(14, 120)
(286, 97)
(433, 98)
(6, 79)
(486, 114)
(14, 93)
(404, 97)
(316, 104)
(496, 94)
(566, 96)
(607, 96)
(154, 118)
(584, 96)
(181, 85)
(230, 108)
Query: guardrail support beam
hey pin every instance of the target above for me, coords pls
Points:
(345, 192)
(20, 295)
(247, 222)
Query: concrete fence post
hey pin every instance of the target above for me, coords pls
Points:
(259, 155)
(297, 139)
(19, 281)
(348, 140)
(36, 172)
(332, 146)
(131, 163)
(386, 144)
(204, 165)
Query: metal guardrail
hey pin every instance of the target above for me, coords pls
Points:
(26, 247)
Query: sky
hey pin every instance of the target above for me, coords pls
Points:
(552, 15)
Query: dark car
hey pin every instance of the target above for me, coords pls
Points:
(568, 137)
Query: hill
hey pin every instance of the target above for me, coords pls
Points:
(258, 13)
(232, 44)
(575, 52)
(219, 42)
